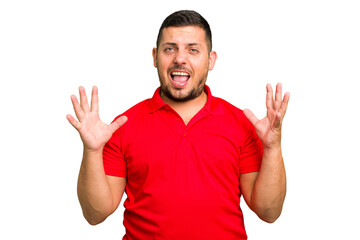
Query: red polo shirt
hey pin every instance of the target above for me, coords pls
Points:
(183, 180)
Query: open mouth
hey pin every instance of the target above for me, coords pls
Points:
(179, 79)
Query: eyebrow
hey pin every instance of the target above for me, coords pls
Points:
(169, 43)
(193, 44)
(175, 44)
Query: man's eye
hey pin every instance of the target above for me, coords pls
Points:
(169, 49)
(193, 50)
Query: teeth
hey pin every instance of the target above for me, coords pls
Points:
(180, 74)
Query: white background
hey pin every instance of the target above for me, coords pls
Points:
(49, 48)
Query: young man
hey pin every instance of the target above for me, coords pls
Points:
(184, 157)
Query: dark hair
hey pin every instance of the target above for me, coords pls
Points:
(186, 18)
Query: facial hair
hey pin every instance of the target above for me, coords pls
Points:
(194, 93)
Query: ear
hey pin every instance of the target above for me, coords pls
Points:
(212, 60)
(154, 54)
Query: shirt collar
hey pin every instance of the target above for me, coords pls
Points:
(211, 106)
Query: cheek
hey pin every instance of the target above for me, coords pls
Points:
(202, 67)
(162, 65)
(162, 70)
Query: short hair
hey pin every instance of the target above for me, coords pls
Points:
(186, 18)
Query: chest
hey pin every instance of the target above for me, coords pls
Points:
(166, 150)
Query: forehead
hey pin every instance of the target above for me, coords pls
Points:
(183, 35)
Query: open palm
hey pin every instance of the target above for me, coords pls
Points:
(93, 132)
(269, 128)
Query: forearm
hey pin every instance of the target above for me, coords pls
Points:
(93, 188)
(270, 187)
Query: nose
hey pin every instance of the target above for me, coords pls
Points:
(180, 57)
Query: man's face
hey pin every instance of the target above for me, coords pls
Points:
(183, 61)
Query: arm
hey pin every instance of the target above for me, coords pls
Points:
(99, 195)
(264, 191)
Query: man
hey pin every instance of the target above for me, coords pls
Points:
(183, 156)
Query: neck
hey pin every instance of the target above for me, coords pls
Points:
(188, 109)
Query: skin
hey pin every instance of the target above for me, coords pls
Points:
(99, 195)
(184, 49)
(180, 49)
(264, 191)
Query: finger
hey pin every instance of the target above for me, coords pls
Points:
(269, 97)
(284, 104)
(83, 100)
(278, 96)
(250, 115)
(72, 121)
(118, 123)
(77, 109)
(277, 122)
(94, 99)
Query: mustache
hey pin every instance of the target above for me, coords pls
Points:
(178, 67)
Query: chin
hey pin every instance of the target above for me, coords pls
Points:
(182, 95)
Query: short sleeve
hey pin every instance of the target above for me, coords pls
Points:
(113, 159)
(251, 152)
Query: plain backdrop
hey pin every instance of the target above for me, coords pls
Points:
(49, 48)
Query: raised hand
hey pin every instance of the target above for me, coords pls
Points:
(93, 132)
(269, 128)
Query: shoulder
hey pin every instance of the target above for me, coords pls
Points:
(133, 115)
(135, 110)
(233, 117)
(229, 110)
(232, 121)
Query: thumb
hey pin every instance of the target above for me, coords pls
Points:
(250, 115)
(117, 123)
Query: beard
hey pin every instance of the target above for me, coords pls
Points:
(195, 92)
(192, 94)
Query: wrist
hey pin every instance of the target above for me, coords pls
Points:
(273, 150)
(272, 156)
(92, 151)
